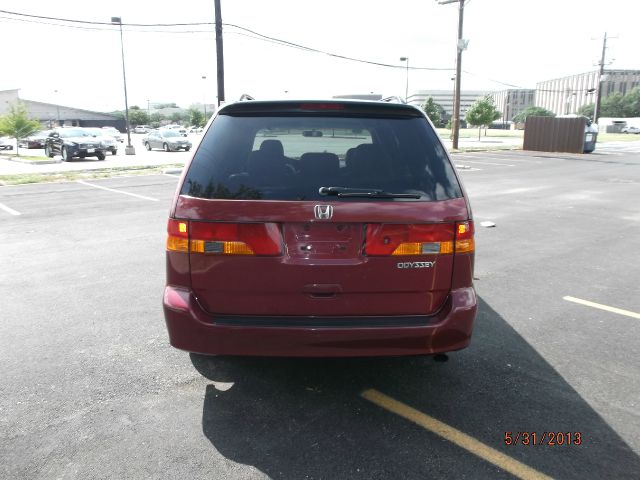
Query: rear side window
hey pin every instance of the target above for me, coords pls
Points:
(291, 157)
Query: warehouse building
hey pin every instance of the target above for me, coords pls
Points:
(51, 115)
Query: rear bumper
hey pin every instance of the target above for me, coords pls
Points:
(191, 328)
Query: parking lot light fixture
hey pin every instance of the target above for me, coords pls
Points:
(128, 150)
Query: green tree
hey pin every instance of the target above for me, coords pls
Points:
(177, 117)
(17, 124)
(616, 105)
(632, 103)
(434, 111)
(532, 111)
(587, 110)
(482, 113)
(196, 117)
(137, 116)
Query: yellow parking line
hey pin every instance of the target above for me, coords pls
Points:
(453, 435)
(607, 308)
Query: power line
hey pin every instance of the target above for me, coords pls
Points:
(267, 37)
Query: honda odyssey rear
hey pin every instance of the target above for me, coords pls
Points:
(320, 229)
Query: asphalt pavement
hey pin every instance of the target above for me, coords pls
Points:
(91, 389)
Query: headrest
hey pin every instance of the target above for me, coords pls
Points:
(324, 164)
(272, 147)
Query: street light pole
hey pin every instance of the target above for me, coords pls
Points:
(128, 150)
(204, 98)
(460, 46)
(57, 106)
(406, 90)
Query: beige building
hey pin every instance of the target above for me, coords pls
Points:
(50, 114)
(445, 99)
(567, 94)
(511, 102)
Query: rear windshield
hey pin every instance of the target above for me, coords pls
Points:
(292, 157)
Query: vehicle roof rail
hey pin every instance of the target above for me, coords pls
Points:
(245, 96)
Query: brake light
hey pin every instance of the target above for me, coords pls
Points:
(224, 238)
(422, 239)
(419, 239)
(322, 106)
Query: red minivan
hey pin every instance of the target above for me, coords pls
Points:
(320, 228)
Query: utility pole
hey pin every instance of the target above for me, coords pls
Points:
(219, 52)
(460, 46)
(596, 110)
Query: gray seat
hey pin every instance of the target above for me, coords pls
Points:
(318, 168)
(368, 163)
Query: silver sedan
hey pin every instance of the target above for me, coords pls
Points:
(168, 140)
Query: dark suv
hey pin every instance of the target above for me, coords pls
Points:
(73, 142)
(315, 228)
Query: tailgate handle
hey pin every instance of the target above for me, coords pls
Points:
(322, 289)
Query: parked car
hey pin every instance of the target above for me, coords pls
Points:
(108, 142)
(166, 139)
(179, 128)
(630, 129)
(5, 144)
(73, 142)
(320, 228)
(36, 140)
(115, 133)
(195, 129)
(141, 129)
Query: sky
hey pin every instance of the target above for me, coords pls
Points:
(511, 43)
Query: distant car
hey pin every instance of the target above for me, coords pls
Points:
(631, 129)
(179, 128)
(73, 142)
(115, 133)
(108, 142)
(195, 129)
(167, 139)
(4, 145)
(35, 141)
(141, 129)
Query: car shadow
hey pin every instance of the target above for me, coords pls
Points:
(306, 418)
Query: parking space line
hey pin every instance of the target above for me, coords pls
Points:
(117, 191)
(9, 209)
(607, 308)
(454, 435)
(490, 163)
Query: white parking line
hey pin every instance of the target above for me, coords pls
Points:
(602, 307)
(9, 210)
(117, 191)
(489, 163)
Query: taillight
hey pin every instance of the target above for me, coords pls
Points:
(178, 236)
(464, 237)
(225, 238)
(419, 239)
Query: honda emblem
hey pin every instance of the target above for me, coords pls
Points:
(323, 212)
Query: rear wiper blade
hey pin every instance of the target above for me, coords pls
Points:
(347, 192)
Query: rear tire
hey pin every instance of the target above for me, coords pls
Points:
(187, 149)
(165, 147)
(113, 152)
(147, 146)
(101, 156)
